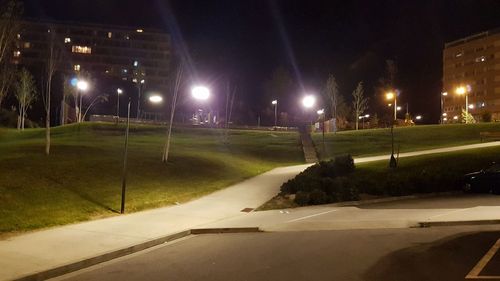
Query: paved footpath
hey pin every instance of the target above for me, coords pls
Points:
(42, 250)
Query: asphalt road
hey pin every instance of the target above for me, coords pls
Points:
(441, 253)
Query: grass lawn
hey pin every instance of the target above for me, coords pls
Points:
(81, 179)
(378, 141)
(414, 175)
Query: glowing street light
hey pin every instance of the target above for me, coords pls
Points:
(308, 101)
(443, 95)
(81, 86)
(398, 108)
(464, 90)
(321, 111)
(393, 96)
(155, 98)
(200, 92)
(118, 93)
(418, 117)
(275, 103)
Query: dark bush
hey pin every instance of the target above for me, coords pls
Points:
(486, 116)
(302, 198)
(317, 197)
(343, 165)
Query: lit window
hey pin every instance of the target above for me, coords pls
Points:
(125, 70)
(127, 37)
(480, 59)
(76, 67)
(139, 30)
(134, 80)
(110, 34)
(27, 45)
(459, 54)
(18, 36)
(67, 40)
(81, 49)
(17, 54)
(136, 63)
(48, 30)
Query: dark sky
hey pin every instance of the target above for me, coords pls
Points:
(350, 39)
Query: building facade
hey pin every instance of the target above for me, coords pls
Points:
(128, 54)
(471, 77)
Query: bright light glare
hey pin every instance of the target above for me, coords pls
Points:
(418, 117)
(398, 108)
(274, 102)
(82, 85)
(156, 99)
(445, 94)
(455, 117)
(308, 101)
(321, 111)
(445, 114)
(460, 90)
(367, 115)
(389, 95)
(200, 92)
(471, 106)
(119, 91)
(444, 119)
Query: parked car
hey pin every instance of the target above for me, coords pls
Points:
(484, 181)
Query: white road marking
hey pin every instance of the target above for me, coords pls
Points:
(315, 215)
(474, 273)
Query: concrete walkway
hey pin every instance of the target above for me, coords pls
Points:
(34, 252)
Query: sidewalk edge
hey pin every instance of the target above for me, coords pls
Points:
(88, 262)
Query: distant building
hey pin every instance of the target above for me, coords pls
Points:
(472, 63)
(128, 54)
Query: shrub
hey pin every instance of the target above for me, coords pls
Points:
(486, 116)
(302, 198)
(343, 165)
(317, 197)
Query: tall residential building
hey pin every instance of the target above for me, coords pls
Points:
(471, 74)
(128, 54)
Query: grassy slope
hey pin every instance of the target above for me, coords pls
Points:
(80, 180)
(378, 141)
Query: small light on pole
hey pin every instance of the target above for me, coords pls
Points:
(464, 90)
(118, 93)
(418, 117)
(275, 103)
(82, 86)
(155, 98)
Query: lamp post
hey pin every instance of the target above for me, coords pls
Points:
(393, 96)
(118, 93)
(443, 95)
(124, 172)
(308, 101)
(82, 86)
(363, 117)
(275, 103)
(464, 90)
(321, 113)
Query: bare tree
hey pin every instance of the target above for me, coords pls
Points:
(332, 94)
(359, 103)
(25, 95)
(53, 54)
(175, 93)
(7, 73)
(68, 91)
(10, 10)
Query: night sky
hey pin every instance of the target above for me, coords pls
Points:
(350, 39)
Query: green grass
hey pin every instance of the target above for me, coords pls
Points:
(81, 179)
(378, 141)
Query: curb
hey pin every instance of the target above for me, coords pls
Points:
(395, 198)
(455, 223)
(74, 266)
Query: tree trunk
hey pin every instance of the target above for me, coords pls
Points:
(357, 121)
(47, 134)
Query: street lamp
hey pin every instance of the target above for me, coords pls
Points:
(125, 154)
(321, 113)
(118, 93)
(464, 90)
(393, 96)
(443, 95)
(200, 92)
(275, 103)
(155, 98)
(418, 117)
(308, 101)
(82, 86)
(363, 117)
